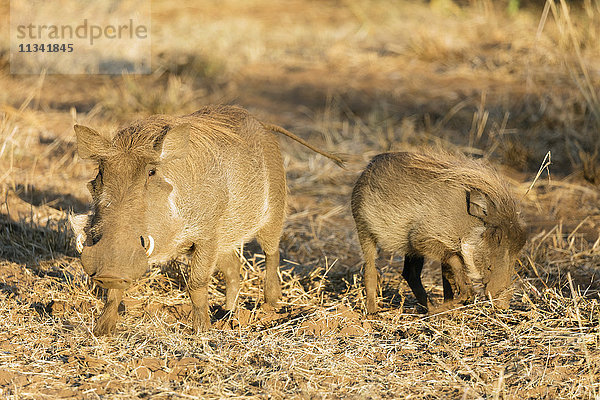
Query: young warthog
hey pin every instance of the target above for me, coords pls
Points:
(203, 183)
(449, 208)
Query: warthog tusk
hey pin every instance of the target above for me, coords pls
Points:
(79, 243)
(150, 246)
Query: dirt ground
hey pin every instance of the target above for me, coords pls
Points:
(358, 77)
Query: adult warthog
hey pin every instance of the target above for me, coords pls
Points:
(203, 183)
(449, 208)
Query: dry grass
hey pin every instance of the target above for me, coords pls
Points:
(357, 77)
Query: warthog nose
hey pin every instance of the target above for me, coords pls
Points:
(112, 282)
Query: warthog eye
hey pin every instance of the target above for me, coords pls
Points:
(151, 172)
(142, 242)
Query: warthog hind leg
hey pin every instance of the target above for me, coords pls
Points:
(413, 265)
(268, 238)
(229, 264)
(369, 249)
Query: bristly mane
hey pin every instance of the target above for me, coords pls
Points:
(209, 124)
(466, 172)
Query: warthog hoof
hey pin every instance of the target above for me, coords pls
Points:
(372, 306)
(105, 325)
(200, 320)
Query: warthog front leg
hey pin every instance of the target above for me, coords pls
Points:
(462, 283)
(200, 316)
(448, 282)
(106, 323)
(202, 267)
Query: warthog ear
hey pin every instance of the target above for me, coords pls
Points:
(174, 143)
(90, 144)
(477, 204)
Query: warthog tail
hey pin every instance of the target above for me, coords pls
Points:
(335, 158)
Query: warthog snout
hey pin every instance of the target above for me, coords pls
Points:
(112, 282)
(105, 261)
